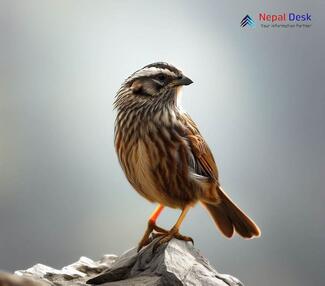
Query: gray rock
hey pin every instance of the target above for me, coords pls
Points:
(175, 263)
(7, 279)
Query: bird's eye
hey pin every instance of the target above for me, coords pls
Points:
(161, 77)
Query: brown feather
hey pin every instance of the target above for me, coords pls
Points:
(228, 217)
(162, 152)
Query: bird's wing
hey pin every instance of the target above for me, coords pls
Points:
(204, 164)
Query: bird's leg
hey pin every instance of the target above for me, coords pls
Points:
(151, 227)
(174, 232)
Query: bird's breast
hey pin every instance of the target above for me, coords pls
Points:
(142, 161)
(155, 158)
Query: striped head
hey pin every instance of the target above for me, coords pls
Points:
(154, 86)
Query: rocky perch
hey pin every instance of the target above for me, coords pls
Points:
(176, 263)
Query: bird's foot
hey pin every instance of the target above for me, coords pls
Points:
(167, 236)
(146, 237)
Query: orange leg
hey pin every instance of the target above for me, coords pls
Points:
(152, 226)
(153, 218)
(174, 232)
(156, 213)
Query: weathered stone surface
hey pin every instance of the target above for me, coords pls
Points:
(7, 279)
(175, 263)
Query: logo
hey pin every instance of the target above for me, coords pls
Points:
(247, 20)
(264, 17)
(282, 20)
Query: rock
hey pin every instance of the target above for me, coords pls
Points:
(7, 279)
(74, 274)
(175, 263)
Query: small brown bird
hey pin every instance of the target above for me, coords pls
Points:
(164, 156)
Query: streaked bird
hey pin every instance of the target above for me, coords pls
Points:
(164, 156)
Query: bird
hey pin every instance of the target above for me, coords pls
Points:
(166, 159)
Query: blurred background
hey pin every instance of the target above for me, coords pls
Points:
(258, 98)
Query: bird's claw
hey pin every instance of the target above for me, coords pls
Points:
(166, 237)
(158, 229)
(146, 237)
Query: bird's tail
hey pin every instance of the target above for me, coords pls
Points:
(228, 217)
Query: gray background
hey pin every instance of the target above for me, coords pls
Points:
(258, 99)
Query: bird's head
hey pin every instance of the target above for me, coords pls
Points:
(155, 85)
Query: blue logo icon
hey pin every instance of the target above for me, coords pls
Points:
(247, 21)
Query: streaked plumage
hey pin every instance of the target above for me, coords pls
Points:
(162, 152)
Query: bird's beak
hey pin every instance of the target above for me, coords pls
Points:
(183, 81)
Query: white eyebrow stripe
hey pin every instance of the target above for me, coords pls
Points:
(152, 71)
